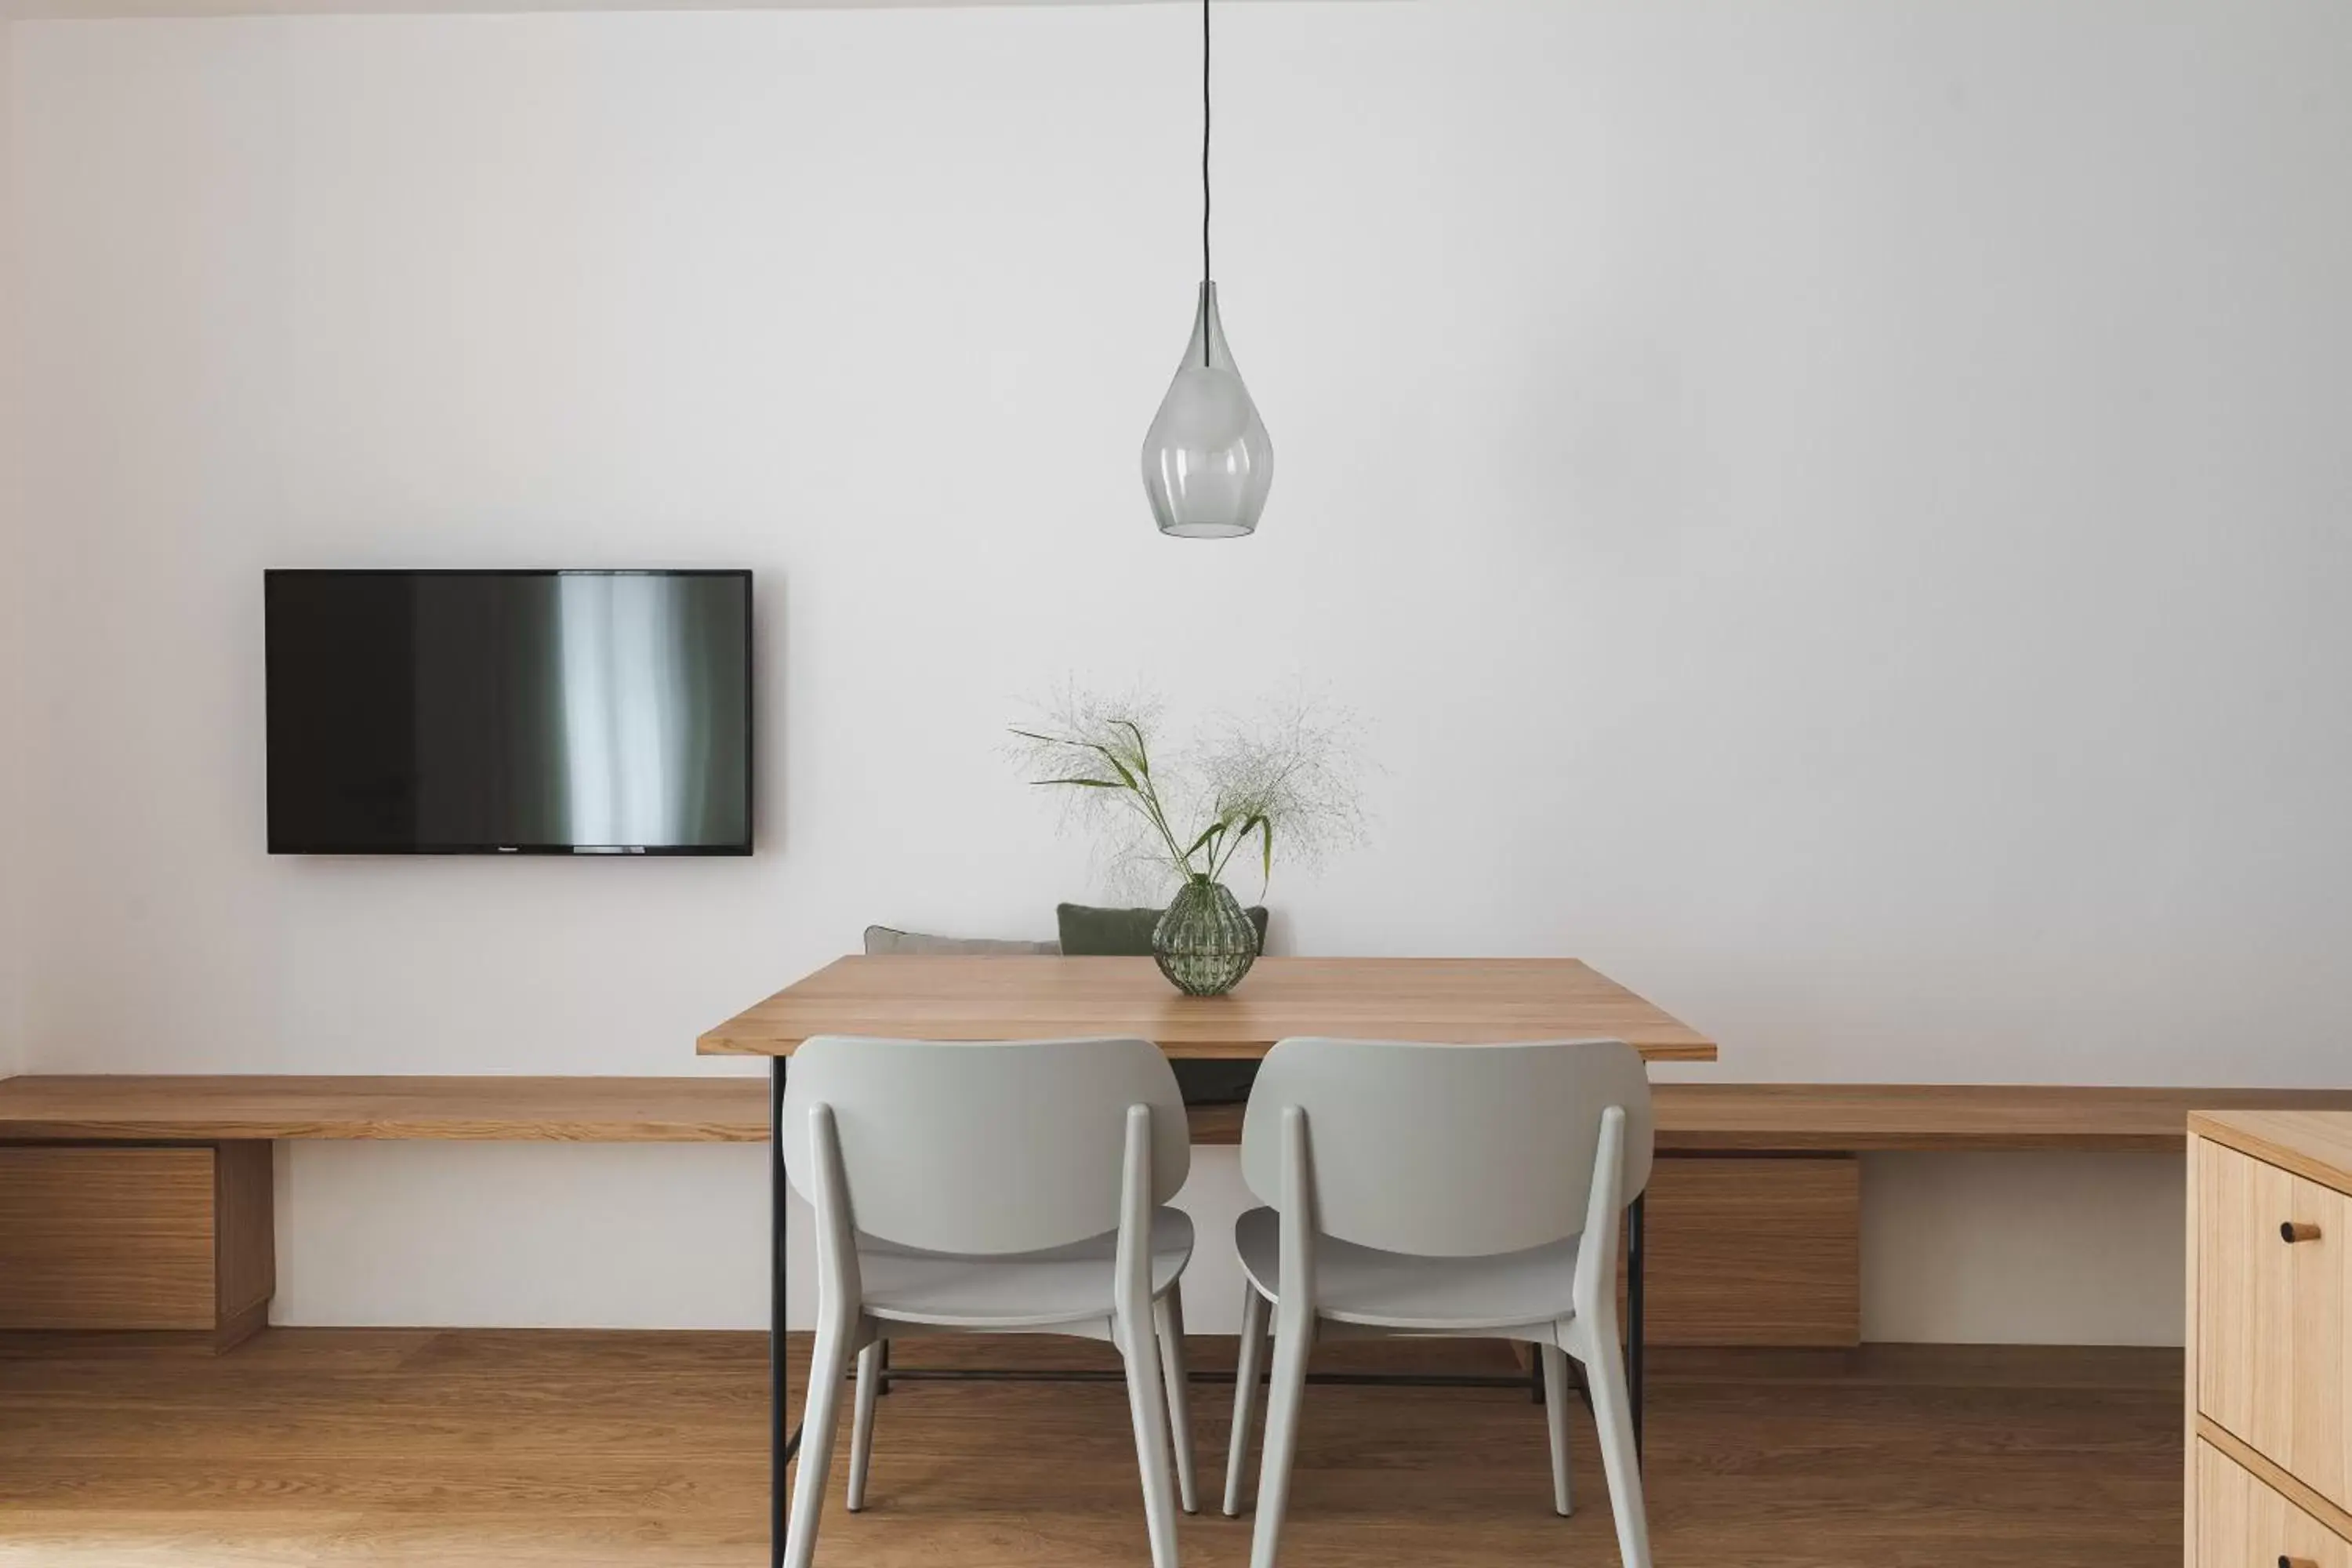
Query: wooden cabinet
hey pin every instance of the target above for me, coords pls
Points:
(1747, 1251)
(2244, 1525)
(2270, 1314)
(173, 1240)
(2268, 1375)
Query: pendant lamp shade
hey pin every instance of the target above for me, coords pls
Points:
(1208, 462)
(1207, 459)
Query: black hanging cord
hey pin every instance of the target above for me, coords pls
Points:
(1206, 273)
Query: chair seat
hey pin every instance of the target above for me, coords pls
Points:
(1394, 1289)
(1022, 1289)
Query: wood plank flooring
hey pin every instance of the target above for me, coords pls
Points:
(463, 1448)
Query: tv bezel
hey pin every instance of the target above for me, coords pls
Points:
(599, 851)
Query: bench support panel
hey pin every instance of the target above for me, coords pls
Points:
(172, 1243)
(1755, 1250)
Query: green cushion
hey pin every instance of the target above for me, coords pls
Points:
(1089, 932)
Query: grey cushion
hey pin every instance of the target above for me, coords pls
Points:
(881, 941)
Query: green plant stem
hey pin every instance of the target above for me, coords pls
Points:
(1221, 840)
(1150, 798)
(1232, 847)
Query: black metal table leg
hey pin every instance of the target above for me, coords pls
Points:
(1633, 1250)
(781, 1440)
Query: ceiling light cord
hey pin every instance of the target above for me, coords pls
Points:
(1206, 273)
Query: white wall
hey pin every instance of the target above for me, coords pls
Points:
(1833, 513)
(2049, 1248)
(1958, 1248)
(14, 696)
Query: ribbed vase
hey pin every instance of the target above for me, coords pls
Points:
(1204, 942)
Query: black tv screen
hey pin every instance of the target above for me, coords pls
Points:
(509, 712)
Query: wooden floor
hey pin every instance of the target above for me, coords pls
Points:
(312, 1446)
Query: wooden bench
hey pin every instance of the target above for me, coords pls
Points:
(1693, 1117)
(1857, 1119)
(511, 1110)
(143, 1203)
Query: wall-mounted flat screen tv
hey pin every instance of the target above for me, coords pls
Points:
(508, 712)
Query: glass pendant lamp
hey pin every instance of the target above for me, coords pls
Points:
(1208, 462)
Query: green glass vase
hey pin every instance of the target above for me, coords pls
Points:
(1205, 944)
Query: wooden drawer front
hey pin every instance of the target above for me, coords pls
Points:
(106, 1238)
(2271, 1363)
(1744, 1251)
(2241, 1523)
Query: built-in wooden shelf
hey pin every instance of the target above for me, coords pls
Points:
(1755, 1217)
(1691, 1118)
(1872, 1118)
(533, 1110)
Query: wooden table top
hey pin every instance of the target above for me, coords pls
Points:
(1464, 1001)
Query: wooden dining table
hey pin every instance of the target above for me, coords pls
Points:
(1460, 1000)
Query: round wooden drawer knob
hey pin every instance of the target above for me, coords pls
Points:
(2286, 1561)
(2295, 1230)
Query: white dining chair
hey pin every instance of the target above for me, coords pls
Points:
(1459, 1192)
(1013, 1187)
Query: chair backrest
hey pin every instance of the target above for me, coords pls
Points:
(1448, 1150)
(984, 1147)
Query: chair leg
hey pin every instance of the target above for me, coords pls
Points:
(1555, 1383)
(1149, 1410)
(1289, 1383)
(818, 1420)
(1612, 1414)
(1168, 1327)
(1246, 1376)
(861, 1421)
